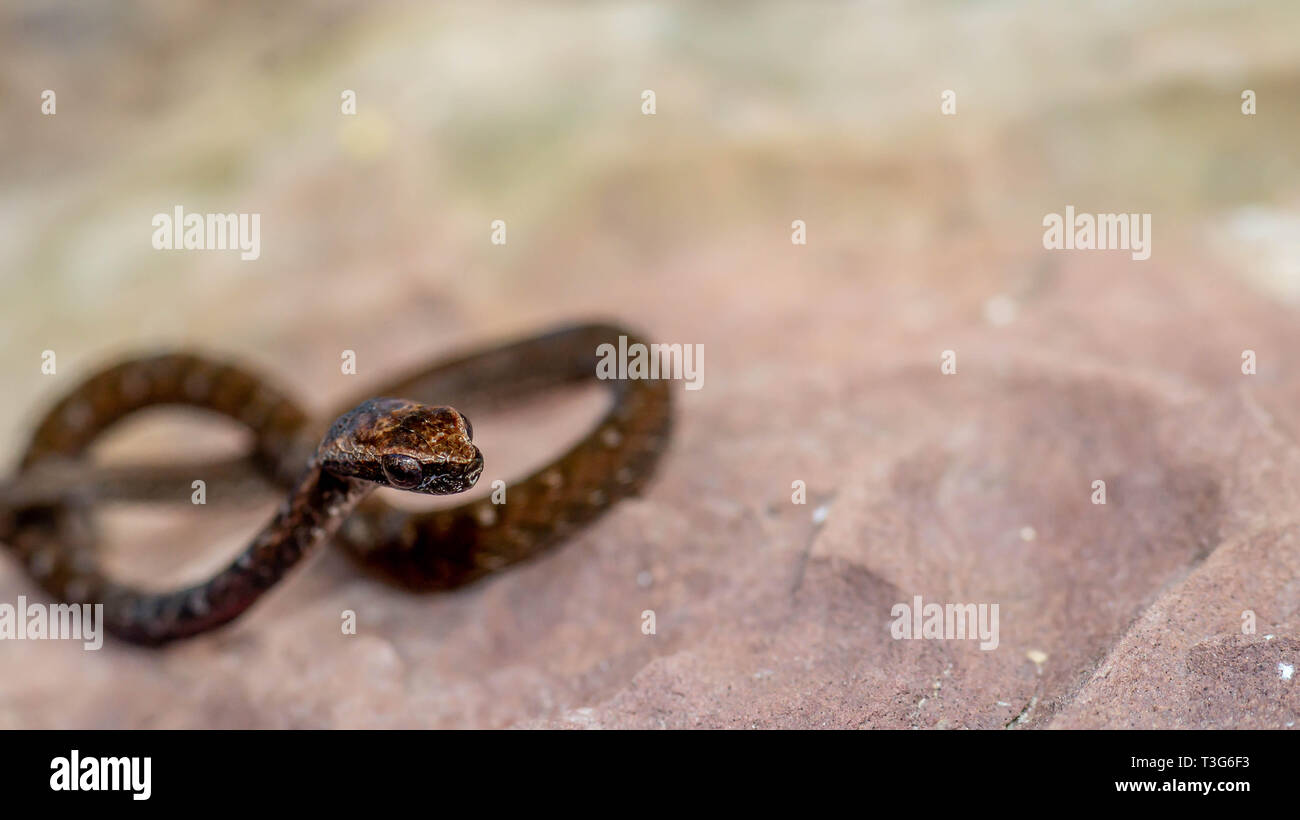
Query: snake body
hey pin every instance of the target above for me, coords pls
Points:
(416, 443)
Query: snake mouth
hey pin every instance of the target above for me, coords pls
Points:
(475, 469)
(448, 480)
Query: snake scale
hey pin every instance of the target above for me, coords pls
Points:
(412, 441)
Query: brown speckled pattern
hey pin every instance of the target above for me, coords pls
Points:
(421, 551)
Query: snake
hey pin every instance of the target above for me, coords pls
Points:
(406, 435)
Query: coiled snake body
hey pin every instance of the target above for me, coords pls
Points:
(392, 442)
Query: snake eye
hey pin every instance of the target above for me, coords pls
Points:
(402, 471)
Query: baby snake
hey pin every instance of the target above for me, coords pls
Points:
(393, 442)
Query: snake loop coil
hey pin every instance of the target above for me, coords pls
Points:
(412, 441)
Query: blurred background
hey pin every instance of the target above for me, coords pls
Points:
(924, 234)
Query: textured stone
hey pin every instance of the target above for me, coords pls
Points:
(822, 360)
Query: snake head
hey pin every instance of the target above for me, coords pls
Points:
(404, 445)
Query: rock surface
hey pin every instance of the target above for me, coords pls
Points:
(822, 360)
